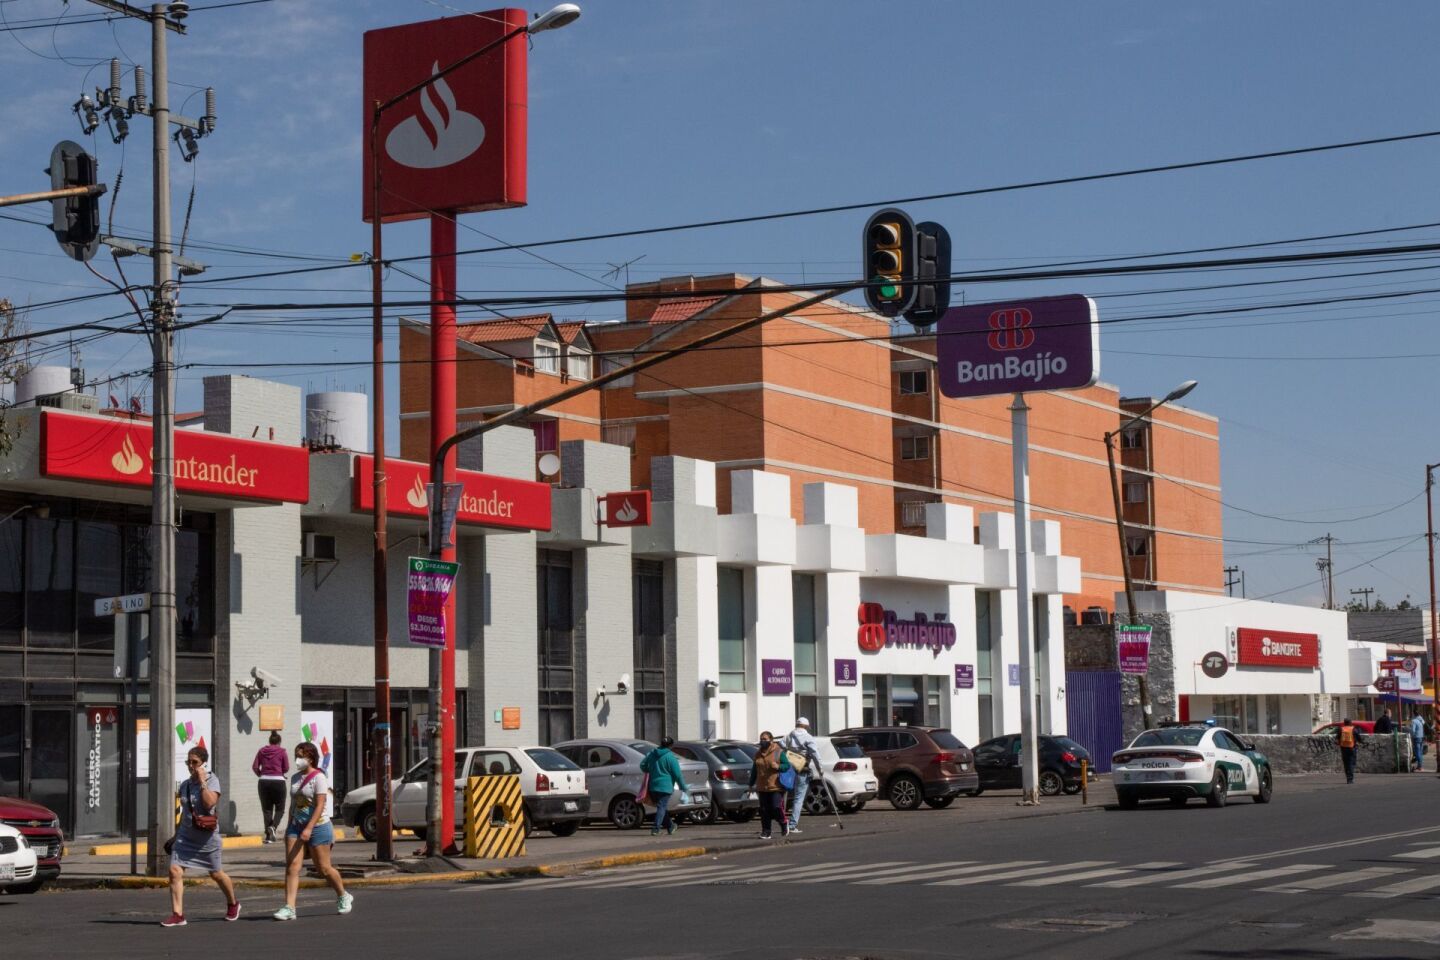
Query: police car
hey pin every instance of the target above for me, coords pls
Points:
(1182, 761)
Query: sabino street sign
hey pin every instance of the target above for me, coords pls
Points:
(1048, 343)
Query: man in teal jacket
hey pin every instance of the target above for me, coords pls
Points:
(666, 777)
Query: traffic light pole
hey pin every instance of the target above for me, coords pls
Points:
(14, 200)
(162, 515)
(1024, 602)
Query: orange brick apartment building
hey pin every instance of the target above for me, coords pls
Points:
(826, 394)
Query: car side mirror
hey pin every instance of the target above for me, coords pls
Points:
(1248, 744)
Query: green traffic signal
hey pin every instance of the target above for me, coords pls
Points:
(887, 291)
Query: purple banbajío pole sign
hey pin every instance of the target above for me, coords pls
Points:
(1049, 343)
(775, 677)
(428, 587)
(846, 673)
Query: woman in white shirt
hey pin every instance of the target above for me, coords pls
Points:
(309, 828)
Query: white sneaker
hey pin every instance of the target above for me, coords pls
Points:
(793, 829)
(344, 903)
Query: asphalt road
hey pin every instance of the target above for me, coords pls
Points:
(1333, 872)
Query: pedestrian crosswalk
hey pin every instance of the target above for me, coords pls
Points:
(1412, 874)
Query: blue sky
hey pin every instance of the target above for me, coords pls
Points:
(650, 113)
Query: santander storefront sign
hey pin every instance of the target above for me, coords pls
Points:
(487, 500)
(118, 451)
(881, 628)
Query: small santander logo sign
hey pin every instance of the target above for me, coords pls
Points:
(628, 509)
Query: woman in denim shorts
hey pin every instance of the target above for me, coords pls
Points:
(309, 829)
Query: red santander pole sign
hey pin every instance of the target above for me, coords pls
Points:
(458, 144)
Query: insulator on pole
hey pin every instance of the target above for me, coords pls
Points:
(207, 122)
(137, 103)
(114, 81)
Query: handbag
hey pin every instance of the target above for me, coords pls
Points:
(643, 795)
(206, 822)
(798, 761)
(787, 779)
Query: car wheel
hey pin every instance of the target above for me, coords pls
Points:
(1051, 783)
(1127, 800)
(626, 813)
(1267, 787)
(369, 822)
(816, 802)
(705, 816)
(565, 828)
(939, 803)
(976, 792)
(32, 887)
(1072, 788)
(905, 793)
(1219, 790)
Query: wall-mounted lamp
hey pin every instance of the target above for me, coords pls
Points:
(709, 688)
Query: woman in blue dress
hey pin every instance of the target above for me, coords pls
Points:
(196, 844)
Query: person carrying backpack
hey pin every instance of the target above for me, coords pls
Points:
(804, 756)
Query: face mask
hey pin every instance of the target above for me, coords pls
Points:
(765, 744)
(302, 764)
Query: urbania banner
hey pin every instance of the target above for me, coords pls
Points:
(1049, 343)
(118, 451)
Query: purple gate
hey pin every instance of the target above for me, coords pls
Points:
(1092, 711)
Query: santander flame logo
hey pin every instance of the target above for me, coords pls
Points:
(438, 136)
(415, 496)
(627, 512)
(127, 460)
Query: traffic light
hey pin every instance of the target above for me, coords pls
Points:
(76, 220)
(889, 261)
(932, 274)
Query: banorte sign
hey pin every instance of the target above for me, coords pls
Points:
(458, 144)
(487, 500)
(118, 451)
(1277, 648)
(1049, 343)
(881, 628)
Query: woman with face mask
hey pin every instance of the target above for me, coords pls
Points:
(765, 781)
(309, 828)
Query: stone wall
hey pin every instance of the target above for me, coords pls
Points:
(1310, 754)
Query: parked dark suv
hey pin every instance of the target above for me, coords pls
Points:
(998, 763)
(917, 764)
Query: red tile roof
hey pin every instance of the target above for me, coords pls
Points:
(570, 329)
(499, 331)
(673, 311)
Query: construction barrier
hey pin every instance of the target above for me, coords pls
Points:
(494, 817)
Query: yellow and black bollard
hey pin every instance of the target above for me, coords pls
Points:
(494, 817)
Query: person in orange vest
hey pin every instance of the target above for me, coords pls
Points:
(1348, 738)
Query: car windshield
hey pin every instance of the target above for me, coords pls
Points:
(641, 747)
(946, 740)
(731, 753)
(848, 749)
(1172, 737)
(550, 760)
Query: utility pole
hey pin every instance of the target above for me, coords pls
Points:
(162, 17)
(1434, 616)
(1231, 580)
(1326, 568)
(1365, 592)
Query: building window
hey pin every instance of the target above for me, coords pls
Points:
(556, 642)
(1137, 546)
(1272, 713)
(620, 434)
(912, 513)
(649, 650)
(914, 381)
(730, 582)
(577, 364)
(869, 712)
(984, 663)
(611, 362)
(1132, 439)
(1136, 491)
(807, 642)
(547, 435)
(547, 357)
(915, 448)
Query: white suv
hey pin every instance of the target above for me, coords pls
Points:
(17, 861)
(556, 798)
(849, 773)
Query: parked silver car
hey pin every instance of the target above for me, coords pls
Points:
(730, 763)
(612, 773)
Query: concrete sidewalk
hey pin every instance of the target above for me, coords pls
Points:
(601, 845)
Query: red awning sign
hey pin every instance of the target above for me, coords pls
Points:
(1278, 648)
(117, 451)
(487, 500)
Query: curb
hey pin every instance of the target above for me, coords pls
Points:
(227, 843)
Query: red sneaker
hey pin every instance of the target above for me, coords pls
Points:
(174, 920)
(232, 911)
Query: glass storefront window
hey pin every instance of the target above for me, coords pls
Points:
(1272, 713)
(935, 701)
(98, 575)
(867, 701)
(806, 642)
(556, 646)
(649, 649)
(730, 582)
(49, 578)
(12, 586)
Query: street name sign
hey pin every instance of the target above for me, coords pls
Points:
(130, 603)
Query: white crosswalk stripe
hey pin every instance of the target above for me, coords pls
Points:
(760, 874)
(1415, 885)
(892, 875)
(945, 871)
(1429, 853)
(1236, 879)
(1302, 884)
(1161, 877)
(1024, 872)
(1073, 877)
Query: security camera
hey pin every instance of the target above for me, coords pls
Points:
(264, 678)
(623, 686)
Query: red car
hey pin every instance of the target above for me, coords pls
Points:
(1366, 727)
(42, 829)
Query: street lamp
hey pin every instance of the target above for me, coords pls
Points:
(554, 18)
(1175, 394)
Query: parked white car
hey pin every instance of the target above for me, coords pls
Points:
(849, 773)
(17, 859)
(556, 798)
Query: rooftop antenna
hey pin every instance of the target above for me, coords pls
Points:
(616, 268)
